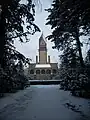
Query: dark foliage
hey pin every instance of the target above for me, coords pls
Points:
(12, 74)
(13, 17)
(16, 22)
(67, 18)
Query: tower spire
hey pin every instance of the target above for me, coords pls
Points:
(41, 38)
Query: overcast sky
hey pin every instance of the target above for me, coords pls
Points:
(30, 49)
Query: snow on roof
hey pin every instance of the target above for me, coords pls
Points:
(42, 66)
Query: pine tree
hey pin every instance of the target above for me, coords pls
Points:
(69, 17)
(16, 21)
(13, 17)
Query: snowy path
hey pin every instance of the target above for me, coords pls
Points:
(44, 102)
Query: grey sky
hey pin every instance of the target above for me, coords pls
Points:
(30, 49)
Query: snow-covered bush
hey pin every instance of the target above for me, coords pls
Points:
(11, 81)
(73, 79)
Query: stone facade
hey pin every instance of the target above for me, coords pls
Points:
(42, 69)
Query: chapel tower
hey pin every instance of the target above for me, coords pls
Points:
(42, 50)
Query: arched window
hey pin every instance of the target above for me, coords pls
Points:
(37, 71)
(31, 71)
(48, 72)
(43, 71)
(54, 71)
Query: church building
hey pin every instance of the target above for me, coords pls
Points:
(43, 69)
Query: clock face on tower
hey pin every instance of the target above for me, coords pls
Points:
(42, 43)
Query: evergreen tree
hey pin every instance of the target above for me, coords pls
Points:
(13, 17)
(12, 75)
(16, 21)
(69, 19)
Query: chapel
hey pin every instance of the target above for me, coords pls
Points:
(42, 69)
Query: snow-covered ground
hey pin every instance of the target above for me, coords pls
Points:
(44, 102)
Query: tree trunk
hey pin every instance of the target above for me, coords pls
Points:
(79, 49)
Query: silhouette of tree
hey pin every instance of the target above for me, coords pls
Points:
(69, 20)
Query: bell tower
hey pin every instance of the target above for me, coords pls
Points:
(42, 50)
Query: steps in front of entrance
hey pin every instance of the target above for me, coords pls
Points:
(44, 82)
